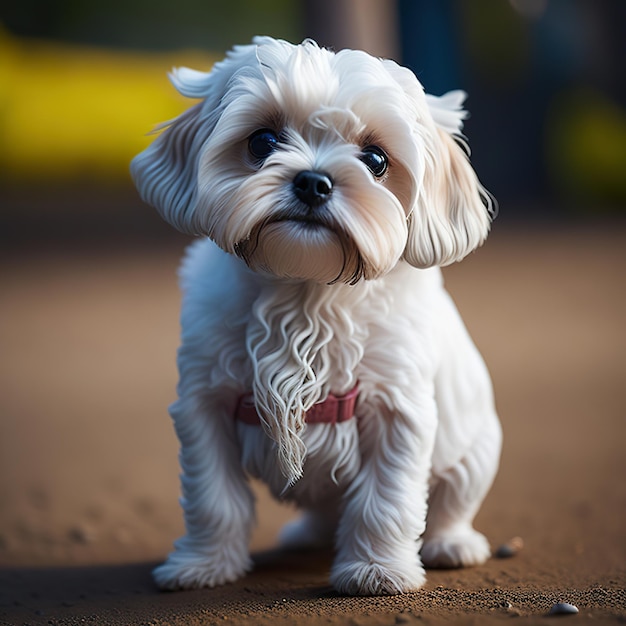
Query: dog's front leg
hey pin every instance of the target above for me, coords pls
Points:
(217, 501)
(385, 507)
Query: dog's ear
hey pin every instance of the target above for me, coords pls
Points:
(166, 172)
(453, 211)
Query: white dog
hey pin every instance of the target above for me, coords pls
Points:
(320, 351)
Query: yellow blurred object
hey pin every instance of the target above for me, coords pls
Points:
(586, 148)
(72, 112)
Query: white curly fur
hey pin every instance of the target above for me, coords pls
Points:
(294, 309)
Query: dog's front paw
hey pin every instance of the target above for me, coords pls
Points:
(186, 568)
(373, 579)
(460, 549)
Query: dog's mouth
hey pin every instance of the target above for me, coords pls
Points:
(309, 222)
(309, 218)
(306, 245)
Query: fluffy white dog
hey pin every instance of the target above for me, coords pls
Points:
(320, 351)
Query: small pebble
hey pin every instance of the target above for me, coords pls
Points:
(563, 608)
(510, 548)
(80, 534)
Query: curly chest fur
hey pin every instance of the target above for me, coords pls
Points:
(304, 341)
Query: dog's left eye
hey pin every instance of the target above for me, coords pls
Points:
(262, 143)
(375, 159)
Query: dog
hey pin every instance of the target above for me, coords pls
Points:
(320, 351)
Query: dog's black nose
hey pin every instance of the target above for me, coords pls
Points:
(313, 188)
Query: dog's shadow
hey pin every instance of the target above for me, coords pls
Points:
(38, 595)
(297, 560)
(305, 571)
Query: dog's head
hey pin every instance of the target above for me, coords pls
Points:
(314, 165)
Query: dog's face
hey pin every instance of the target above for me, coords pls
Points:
(314, 165)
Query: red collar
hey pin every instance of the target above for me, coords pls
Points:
(333, 410)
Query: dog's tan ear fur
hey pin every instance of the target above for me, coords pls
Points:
(166, 172)
(453, 211)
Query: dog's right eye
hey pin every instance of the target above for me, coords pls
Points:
(262, 143)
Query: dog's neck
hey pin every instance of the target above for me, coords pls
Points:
(304, 340)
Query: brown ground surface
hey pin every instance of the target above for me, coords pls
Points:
(88, 468)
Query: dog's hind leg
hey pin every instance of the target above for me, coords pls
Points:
(455, 497)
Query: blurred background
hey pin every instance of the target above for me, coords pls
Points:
(88, 295)
(81, 85)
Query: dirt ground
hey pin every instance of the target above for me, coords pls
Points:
(88, 467)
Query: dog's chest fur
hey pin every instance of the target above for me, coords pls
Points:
(304, 342)
(293, 343)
